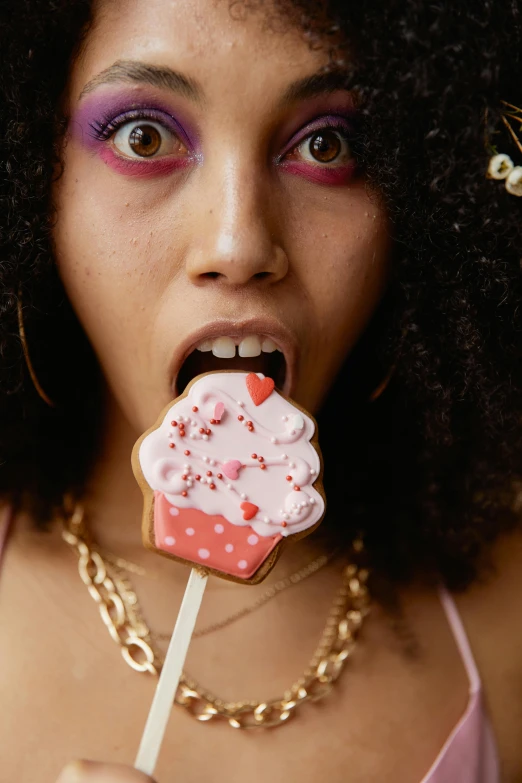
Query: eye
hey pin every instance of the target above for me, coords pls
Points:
(146, 139)
(326, 145)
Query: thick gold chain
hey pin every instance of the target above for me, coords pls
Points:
(119, 611)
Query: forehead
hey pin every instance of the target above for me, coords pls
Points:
(214, 41)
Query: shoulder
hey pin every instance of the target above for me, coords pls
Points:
(491, 610)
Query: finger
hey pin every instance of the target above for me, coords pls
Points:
(94, 772)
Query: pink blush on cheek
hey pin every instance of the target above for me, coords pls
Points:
(144, 169)
(341, 175)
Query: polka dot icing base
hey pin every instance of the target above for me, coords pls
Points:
(233, 469)
(210, 541)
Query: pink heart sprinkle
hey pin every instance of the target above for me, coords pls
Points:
(231, 468)
(218, 411)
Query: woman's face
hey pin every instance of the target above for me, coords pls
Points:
(209, 198)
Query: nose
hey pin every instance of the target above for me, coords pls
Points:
(235, 233)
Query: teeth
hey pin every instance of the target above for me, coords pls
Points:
(268, 345)
(250, 346)
(225, 347)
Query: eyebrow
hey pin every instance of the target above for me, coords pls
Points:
(129, 71)
(315, 85)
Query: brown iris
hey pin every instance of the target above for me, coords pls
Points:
(325, 146)
(145, 140)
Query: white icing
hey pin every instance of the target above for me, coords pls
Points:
(276, 498)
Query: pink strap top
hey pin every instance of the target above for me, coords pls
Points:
(469, 754)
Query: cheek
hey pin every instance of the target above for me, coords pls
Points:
(111, 263)
(345, 246)
(106, 235)
(352, 281)
(345, 250)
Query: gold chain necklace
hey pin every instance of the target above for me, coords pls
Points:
(119, 610)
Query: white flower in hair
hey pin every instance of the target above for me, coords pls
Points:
(500, 167)
(514, 181)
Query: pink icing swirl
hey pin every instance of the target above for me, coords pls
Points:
(253, 459)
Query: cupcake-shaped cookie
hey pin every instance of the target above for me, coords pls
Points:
(230, 473)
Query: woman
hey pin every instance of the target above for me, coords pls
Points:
(244, 175)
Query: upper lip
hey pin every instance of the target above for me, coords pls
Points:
(237, 330)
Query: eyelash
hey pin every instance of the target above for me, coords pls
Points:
(333, 123)
(108, 126)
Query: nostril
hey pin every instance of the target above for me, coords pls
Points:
(215, 275)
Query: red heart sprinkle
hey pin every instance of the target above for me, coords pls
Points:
(249, 510)
(259, 389)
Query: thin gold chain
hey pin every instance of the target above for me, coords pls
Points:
(121, 565)
(282, 584)
(119, 610)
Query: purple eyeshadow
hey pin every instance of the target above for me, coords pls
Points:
(100, 110)
(101, 114)
(334, 121)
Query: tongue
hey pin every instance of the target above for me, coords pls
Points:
(270, 364)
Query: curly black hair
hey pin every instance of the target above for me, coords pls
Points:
(430, 471)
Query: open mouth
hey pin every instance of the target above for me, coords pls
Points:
(253, 353)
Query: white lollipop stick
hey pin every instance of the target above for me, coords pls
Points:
(170, 674)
